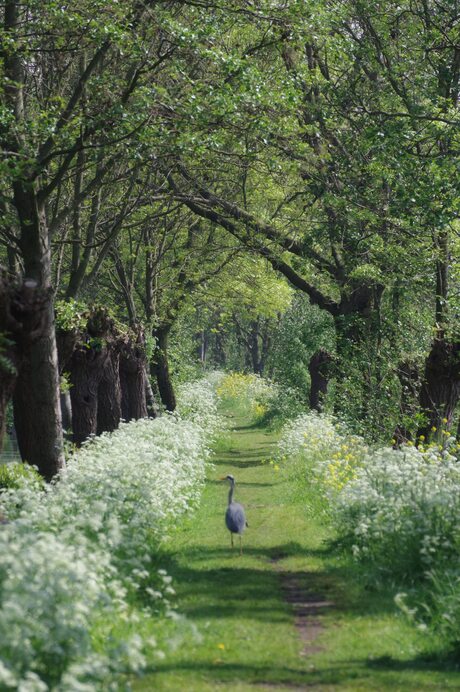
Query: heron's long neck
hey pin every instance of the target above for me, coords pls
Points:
(230, 492)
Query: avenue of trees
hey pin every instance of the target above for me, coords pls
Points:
(263, 185)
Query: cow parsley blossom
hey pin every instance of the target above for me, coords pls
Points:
(72, 555)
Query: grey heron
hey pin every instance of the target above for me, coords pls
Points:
(235, 518)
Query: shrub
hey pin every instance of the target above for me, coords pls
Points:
(197, 402)
(397, 510)
(402, 509)
(252, 393)
(320, 454)
(74, 558)
(18, 475)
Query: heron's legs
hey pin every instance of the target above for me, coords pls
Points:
(231, 538)
(241, 545)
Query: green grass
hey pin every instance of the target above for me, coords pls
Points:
(239, 632)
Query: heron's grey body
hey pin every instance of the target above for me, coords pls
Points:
(235, 518)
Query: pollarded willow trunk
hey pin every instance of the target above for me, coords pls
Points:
(66, 342)
(26, 319)
(37, 411)
(320, 374)
(357, 365)
(132, 379)
(440, 390)
(160, 369)
(86, 368)
(109, 391)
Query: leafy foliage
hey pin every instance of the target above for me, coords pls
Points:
(18, 475)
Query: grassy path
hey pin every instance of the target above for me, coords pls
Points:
(253, 621)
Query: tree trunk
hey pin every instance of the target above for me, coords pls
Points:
(86, 369)
(24, 319)
(254, 346)
(409, 378)
(203, 346)
(7, 382)
(40, 437)
(219, 351)
(440, 390)
(109, 392)
(66, 342)
(66, 410)
(152, 409)
(265, 345)
(132, 380)
(37, 411)
(320, 375)
(160, 369)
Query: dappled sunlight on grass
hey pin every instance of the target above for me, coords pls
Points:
(247, 638)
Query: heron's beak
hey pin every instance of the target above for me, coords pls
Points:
(223, 478)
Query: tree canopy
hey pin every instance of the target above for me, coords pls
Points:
(198, 158)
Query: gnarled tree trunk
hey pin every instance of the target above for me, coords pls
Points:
(25, 314)
(440, 390)
(109, 392)
(320, 376)
(132, 379)
(86, 368)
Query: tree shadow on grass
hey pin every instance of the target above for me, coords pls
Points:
(435, 663)
(239, 590)
(229, 592)
(240, 459)
(275, 552)
(237, 463)
(241, 484)
(255, 425)
(304, 676)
